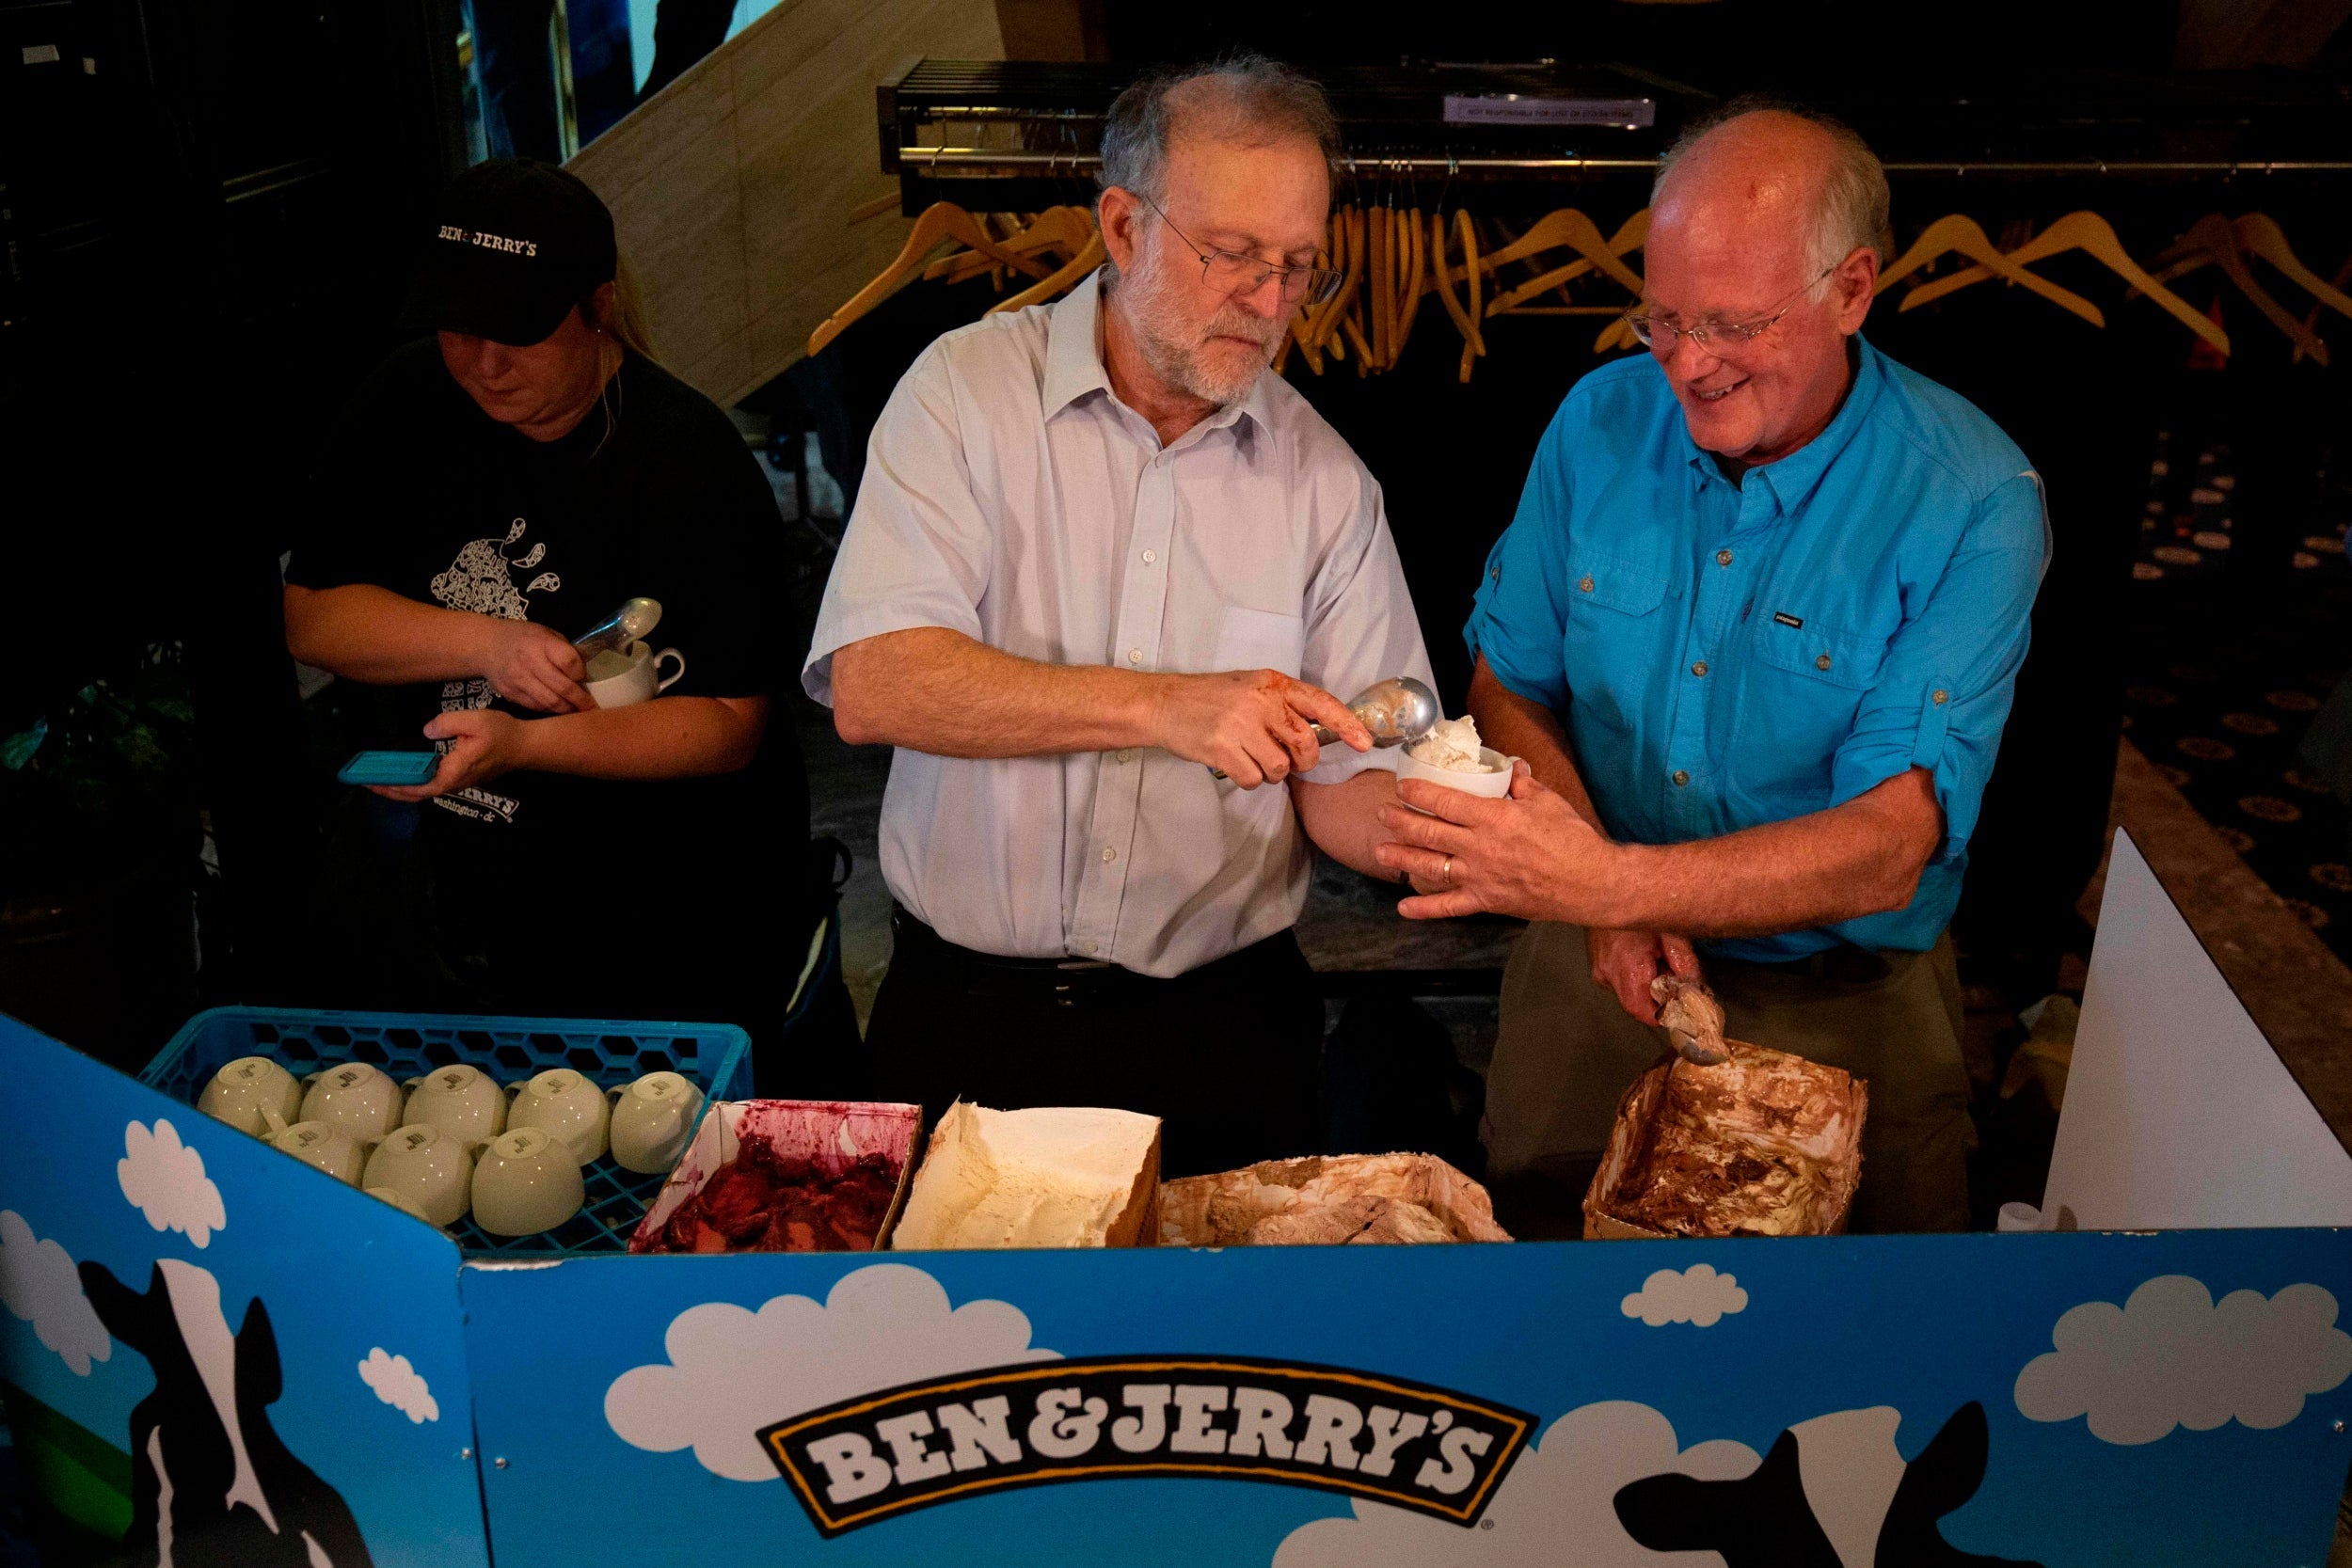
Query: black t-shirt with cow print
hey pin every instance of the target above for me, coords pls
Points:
(653, 494)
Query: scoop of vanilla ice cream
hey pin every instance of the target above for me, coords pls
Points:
(1452, 744)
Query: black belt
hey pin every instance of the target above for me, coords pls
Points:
(911, 935)
(1844, 964)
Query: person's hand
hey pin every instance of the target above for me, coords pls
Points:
(484, 745)
(1251, 723)
(535, 667)
(1625, 963)
(1530, 855)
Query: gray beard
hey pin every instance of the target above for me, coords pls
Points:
(1162, 334)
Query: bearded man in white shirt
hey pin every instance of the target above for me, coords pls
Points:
(1101, 549)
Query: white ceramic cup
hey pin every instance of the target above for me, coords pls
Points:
(432, 1169)
(652, 1119)
(617, 678)
(245, 1092)
(464, 1101)
(362, 1101)
(526, 1182)
(317, 1143)
(1494, 784)
(568, 1104)
(398, 1199)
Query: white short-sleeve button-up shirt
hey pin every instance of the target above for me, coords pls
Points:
(1009, 496)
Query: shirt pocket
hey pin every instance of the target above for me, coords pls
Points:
(1804, 686)
(1260, 640)
(1612, 648)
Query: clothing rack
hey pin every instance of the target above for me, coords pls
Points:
(1035, 127)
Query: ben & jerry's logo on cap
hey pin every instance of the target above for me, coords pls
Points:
(1106, 1417)
(488, 241)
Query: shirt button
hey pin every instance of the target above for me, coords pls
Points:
(1109, 854)
(1150, 556)
(1126, 757)
(1585, 585)
(1700, 668)
(1821, 663)
(1940, 698)
(1681, 778)
(1722, 558)
(1134, 656)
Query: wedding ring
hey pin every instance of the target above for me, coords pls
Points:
(1445, 872)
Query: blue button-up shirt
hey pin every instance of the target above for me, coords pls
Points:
(1729, 654)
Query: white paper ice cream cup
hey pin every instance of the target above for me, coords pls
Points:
(1493, 783)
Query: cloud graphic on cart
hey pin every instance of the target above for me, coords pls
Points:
(731, 1370)
(2171, 1356)
(165, 1179)
(1561, 1492)
(400, 1385)
(1697, 1295)
(38, 1284)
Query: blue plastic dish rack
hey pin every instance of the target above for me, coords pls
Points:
(715, 1056)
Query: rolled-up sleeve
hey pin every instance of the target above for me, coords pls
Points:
(1360, 627)
(1944, 689)
(918, 549)
(1517, 618)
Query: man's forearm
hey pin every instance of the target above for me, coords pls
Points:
(376, 636)
(937, 691)
(672, 737)
(1344, 819)
(1522, 727)
(1858, 859)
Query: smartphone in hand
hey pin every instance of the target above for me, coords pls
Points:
(407, 768)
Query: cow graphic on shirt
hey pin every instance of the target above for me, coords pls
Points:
(211, 1480)
(1834, 1493)
(482, 581)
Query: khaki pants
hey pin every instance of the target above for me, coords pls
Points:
(1566, 1051)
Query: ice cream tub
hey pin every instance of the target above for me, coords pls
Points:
(1764, 1144)
(1328, 1200)
(824, 1175)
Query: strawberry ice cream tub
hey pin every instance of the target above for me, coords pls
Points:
(787, 1176)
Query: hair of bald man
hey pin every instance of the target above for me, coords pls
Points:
(1243, 98)
(1851, 213)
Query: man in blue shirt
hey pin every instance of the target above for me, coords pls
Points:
(1755, 631)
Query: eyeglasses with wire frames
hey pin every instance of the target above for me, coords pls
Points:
(1229, 272)
(1714, 337)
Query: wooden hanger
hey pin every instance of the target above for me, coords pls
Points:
(1570, 228)
(2310, 317)
(2213, 240)
(1076, 271)
(1063, 230)
(1958, 232)
(1630, 236)
(1379, 228)
(2093, 235)
(1306, 325)
(1414, 242)
(940, 221)
(2260, 235)
(1469, 316)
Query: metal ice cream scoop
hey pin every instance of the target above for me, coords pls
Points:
(1396, 710)
(631, 623)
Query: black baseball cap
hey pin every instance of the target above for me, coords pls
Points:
(517, 244)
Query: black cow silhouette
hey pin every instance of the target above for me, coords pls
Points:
(211, 1480)
(1765, 1520)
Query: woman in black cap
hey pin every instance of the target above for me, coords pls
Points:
(500, 488)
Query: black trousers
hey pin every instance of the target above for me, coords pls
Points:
(1225, 1055)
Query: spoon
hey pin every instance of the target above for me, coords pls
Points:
(633, 621)
(1397, 711)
